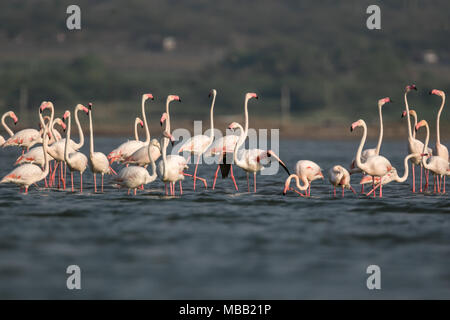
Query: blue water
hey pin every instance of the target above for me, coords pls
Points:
(226, 244)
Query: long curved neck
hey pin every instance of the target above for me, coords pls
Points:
(415, 123)
(246, 115)
(136, 134)
(152, 163)
(10, 132)
(380, 137)
(438, 136)
(405, 174)
(44, 147)
(211, 117)
(409, 117)
(360, 148)
(80, 131)
(91, 134)
(240, 142)
(168, 116)
(166, 140)
(425, 147)
(147, 131)
(66, 146)
(305, 183)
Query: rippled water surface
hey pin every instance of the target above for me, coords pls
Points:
(226, 244)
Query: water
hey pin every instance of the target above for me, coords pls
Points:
(226, 244)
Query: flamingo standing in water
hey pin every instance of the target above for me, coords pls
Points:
(97, 160)
(13, 116)
(250, 159)
(28, 174)
(132, 177)
(306, 171)
(439, 149)
(126, 149)
(197, 145)
(76, 161)
(376, 166)
(25, 138)
(339, 176)
(437, 165)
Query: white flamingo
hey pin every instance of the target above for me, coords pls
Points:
(436, 164)
(250, 159)
(307, 171)
(376, 166)
(126, 149)
(339, 176)
(13, 116)
(197, 145)
(28, 174)
(132, 177)
(97, 160)
(76, 161)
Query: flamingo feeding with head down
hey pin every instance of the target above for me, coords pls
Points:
(97, 160)
(339, 176)
(76, 161)
(197, 145)
(13, 116)
(306, 171)
(126, 149)
(28, 174)
(250, 159)
(132, 177)
(437, 165)
(376, 166)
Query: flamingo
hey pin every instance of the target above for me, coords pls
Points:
(436, 164)
(250, 160)
(25, 138)
(306, 171)
(133, 177)
(225, 145)
(28, 174)
(439, 149)
(197, 145)
(376, 166)
(97, 160)
(126, 149)
(374, 151)
(13, 116)
(137, 122)
(140, 156)
(339, 176)
(76, 161)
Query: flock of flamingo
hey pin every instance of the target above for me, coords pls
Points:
(49, 162)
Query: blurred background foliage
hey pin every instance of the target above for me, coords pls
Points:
(336, 69)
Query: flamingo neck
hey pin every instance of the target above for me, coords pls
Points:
(147, 131)
(10, 132)
(415, 123)
(246, 115)
(168, 115)
(211, 116)
(91, 134)
(405, 174)
(136, 134)
(80, 131)
(66, 146)
(360, 148)
(408, 115)
(438, 135)
(425, 147)
(240, 142)
(380, 137)
(44, 147)
(152, 163)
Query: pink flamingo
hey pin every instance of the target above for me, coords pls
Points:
(306, 171)
(12, 115)
(76, 161)
(339, 176)
(250, 159)
(28, 174)
(197, 145)
(439, 149)
(97, 160)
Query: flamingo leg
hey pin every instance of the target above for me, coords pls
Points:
(128, 191)
(215, 176)
(373, 190)
(443, 191)
(298, 192)
(362, 188)
(434, 183)
(414, 178)
(381, 189)
(95, 183)
(71, 179)
(135, 191)
(421, 169)
(334, 191)
(165, 187)
(248, 183)
(351, 188)
(343, 191)
(45, 180)
(102, 182)
(232, 177)
(81, 182)
(198, 178)
(254, 182)
(26, 190)
(65, 172)
(181, 189)
(195, 171)
(60, 176)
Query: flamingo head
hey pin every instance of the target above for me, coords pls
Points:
(173, 97)
(411, 87)
(43, 106)
(212, 93)
(147, 96)
(288, 183)
(270, 153)
(383, 101)
(141, 123)
(66, 115)
(169, 136)
(163, 118)
(421, 124)
(81, 107)
(250, 95)
(437, 92)
(90, 106)
(14, 117)
(61, 123)
(233, 126)
(356, 124)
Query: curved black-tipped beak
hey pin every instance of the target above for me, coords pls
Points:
(90, 106)
(430, 93)
(415, 88)
(161, 123)
(15, 122)
(179, 100)
(351, 129)
(285, 168)
(172, 142)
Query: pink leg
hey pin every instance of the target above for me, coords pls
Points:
(81, 182)
(298, 192)
(165, 187)
(421, 170)
(362, 188)
(351, 188)
(232, 177)
(434, 184)
(135, 191)
(195, 171)
(71, 179)
(26, 190)
(65, 172)
(95, 183)
(334, 191)
(414, 178)
(373, 190)
(198, 178)
(343, 191)
(102, 183)
(181, 189)
(215, 176)
(444, 186)
(46, 185)
(248, 183)
(254, 182)
(381, 189)
(128, 191)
